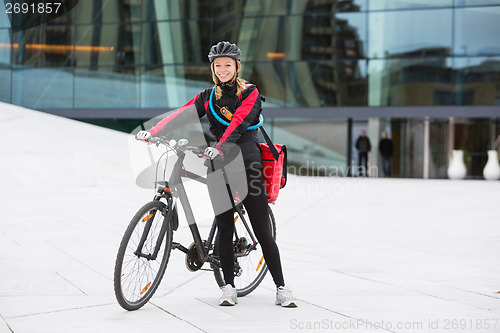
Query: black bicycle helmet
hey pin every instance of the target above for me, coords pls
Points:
(224, 49)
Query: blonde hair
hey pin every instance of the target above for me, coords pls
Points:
(240, 83)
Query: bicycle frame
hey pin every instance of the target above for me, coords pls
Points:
(179, 191)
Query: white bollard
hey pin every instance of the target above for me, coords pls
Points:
(491, 170)
(456, 169)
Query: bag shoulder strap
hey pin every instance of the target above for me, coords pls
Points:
(272, 148)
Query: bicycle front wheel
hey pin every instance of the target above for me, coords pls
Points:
(251, 264)
(136, 278)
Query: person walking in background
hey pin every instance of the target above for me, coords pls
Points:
(385, 148)
(363, 146)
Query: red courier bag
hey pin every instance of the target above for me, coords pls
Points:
(274, 172)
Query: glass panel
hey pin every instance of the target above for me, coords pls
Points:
(40, 88)
(4, 18)
(176, 42)
(5, 47)
(316, 147)
(173, 86)
(326, 37)
(5, 84)
(476, 2)
(228, 8)
(477, 81)
(417, 81)
(438, 145)
(161, 10)
(400, 4)
(258, 38)
(264, 7)
(473, 137)
(415, 143)
(44, 46)
(312, 6)
(107, 88)
(238, 8)
(269, 77)
(153, 88)
(410, 33)
(476, 31)
(339, 83)
(107, 11)
(110, 44)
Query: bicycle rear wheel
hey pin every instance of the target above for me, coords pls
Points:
(136, 278)
(252, 266)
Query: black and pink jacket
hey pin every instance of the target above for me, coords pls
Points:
(245, 110)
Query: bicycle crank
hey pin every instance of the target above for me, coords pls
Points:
(240, 246)
(193, 261)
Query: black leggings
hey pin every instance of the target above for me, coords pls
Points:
(256, 205)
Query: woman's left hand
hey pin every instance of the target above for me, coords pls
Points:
(212, 153)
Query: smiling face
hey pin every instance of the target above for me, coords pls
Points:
(224, 68)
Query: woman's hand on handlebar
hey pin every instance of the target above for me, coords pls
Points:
(143, 136)
(211, 153)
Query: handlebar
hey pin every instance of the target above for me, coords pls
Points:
(177, 146)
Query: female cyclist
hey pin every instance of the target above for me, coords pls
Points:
(238, 105)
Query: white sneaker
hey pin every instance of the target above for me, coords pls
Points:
(285, 298)
(229, 296)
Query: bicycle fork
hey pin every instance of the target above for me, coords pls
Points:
(168, 216)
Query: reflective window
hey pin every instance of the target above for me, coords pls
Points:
(300, 53)
(232, 8)
(107, 88)
(5, 47)
(4, 18)
(341, 83)
(269, 77)
(396, 81)
(473, 137)
(477, 81)
(43, 88)
(228, 8)
(476, 2)
(173, 86)
(351, 35)
(108, 11)
(407, 4)
(326, 37)
(476, 31)
(5, 84)
(176, 42)
(174, 10)
(312, 6)
(438, 145)
(253, 36)
(44, 46)
(315, 146)
(409, 34)
(265, 7)
(109, 44)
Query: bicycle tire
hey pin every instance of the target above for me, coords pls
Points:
(248, 281)
(137, 278)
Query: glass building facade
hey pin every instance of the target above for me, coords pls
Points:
(426, 71)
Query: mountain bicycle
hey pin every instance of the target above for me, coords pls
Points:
(148, 240)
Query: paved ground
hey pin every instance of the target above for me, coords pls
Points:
(362, 255)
